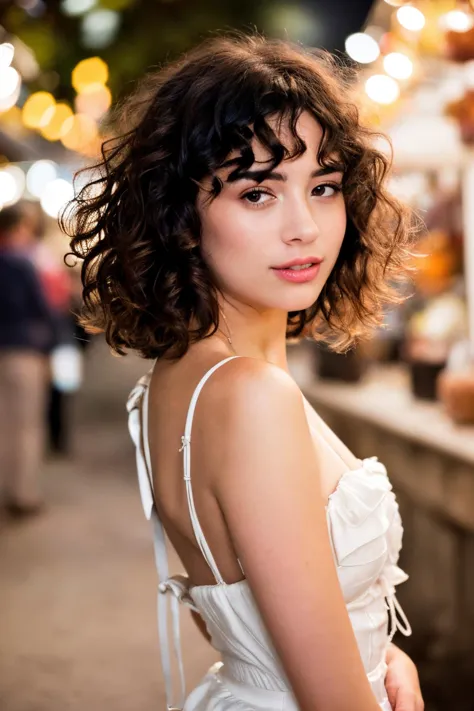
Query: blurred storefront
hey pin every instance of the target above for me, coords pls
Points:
(406, 396)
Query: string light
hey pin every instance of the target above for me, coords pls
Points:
(382, 89)
(12, 184)
(90, 72)
(10, 85)
(55, 119)
(398, 65)
(77, 7)
(94, 102)
(39, 175)
(411, 18)
(457, 21)
(99, 28)
(7, 51)
(362, 48)
(36, 108)
(55, 196)
(79, 132)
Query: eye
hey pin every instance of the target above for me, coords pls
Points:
(254, 196)
(327, 190)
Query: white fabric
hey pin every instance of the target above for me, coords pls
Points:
(366, 537)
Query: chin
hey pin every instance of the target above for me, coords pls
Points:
(301, 297)
(297, 301)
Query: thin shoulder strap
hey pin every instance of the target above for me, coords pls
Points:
(186, 449)
(138, 426)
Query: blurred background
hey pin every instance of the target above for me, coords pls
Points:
(78, 584)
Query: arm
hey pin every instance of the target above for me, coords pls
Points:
(40, 309)
(402, 683)
(267, 483)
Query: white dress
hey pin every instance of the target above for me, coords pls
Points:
(366, 534)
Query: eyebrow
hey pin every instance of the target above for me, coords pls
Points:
(260, 175)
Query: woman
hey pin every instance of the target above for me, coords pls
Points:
(246, 205)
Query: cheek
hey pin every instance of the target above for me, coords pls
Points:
(341, 215)
(228, 237)
(336, 229)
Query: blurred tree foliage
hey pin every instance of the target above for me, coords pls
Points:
(151, 32)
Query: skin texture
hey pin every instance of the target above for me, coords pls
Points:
(251, 228)
(255, 461)
(402, 683)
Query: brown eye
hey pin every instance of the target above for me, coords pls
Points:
(253, 196)
(327, 190)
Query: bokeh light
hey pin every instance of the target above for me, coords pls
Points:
(362, 48)
(94, 102)
(457, 21)
(99, 28)
(90, 72)
(10, 85)
(39, 175)
(7, 52)
(382, 89)
(79, 132)
(55, 119)
(36, 108)
(55, 196)
(411, 18)
(12, 184)
(398, 65)
(77, 7)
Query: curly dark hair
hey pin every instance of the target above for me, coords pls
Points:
(136, 224)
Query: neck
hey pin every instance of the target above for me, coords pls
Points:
(255, 334)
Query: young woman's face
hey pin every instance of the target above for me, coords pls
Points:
(251, 231)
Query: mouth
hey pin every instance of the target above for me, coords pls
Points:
(300, 264)
(300, 272)
(298, 267)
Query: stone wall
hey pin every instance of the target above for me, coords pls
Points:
(436, 498)
(433, 478)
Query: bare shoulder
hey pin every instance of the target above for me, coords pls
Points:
(246, 385)
(250, 410)
(265, 477)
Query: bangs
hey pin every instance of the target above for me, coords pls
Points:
(136, 225)
(258, 111)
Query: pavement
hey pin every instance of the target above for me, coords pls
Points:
(77, 583)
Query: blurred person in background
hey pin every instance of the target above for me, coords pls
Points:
(27, 334)
(246, 204)
(57, 284)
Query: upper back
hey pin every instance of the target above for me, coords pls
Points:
(174, 387)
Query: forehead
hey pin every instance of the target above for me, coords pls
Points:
(307, 129)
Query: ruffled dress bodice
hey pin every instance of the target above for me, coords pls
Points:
(366, 535)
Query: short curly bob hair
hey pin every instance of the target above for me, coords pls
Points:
(136, 223)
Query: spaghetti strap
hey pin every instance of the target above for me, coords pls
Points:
(186, 449)
(137, 407)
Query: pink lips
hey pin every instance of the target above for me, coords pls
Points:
(299, 276)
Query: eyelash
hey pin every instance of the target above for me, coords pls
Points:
(260, 191)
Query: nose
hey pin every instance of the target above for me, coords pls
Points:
(300, 223)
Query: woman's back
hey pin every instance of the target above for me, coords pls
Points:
(366, 538)
(171, 389)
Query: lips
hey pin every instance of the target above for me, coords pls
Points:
(302, 262)
(298, 273)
